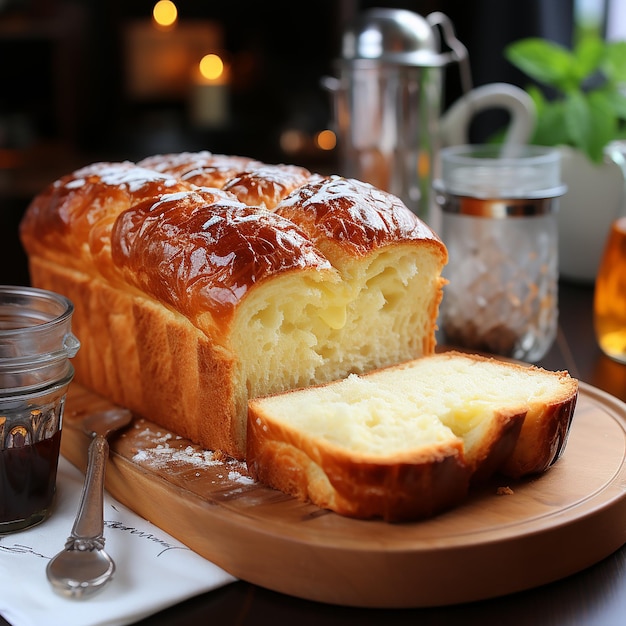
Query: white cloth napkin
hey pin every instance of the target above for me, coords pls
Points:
(153, 570)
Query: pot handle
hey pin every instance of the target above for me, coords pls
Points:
(455, 122)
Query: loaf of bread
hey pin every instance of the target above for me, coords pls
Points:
(408, 441)
(200, 281)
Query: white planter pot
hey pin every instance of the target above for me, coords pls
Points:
(594, 198)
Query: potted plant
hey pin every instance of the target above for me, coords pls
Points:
(583, 111)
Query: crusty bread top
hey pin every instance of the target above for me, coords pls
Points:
(203, 168)
(267, 185)
(181, 250)
(354, 216)
(74, 214)
(157, 231)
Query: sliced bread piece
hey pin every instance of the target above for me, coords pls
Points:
(406, 442)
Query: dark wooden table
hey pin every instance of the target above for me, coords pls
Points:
(594, 597)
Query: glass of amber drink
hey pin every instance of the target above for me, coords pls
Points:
(610, 294)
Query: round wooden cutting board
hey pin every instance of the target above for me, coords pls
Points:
(508, 536)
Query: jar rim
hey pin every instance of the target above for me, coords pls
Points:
(35, 328)
(490, 171)
(43, 296)
(510, 155)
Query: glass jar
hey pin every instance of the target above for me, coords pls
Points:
(36, 344)
(499, 225)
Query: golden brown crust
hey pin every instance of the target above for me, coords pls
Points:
(266, 186)
(497, 445)
(353, 216)
(542, 439)
(72, 218)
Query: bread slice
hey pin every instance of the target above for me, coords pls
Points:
(407, 442)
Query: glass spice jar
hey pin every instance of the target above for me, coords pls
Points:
(499, 225)
(36, 344)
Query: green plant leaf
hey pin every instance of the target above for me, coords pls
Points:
(583, 115)
(544, 61)
(590, 122)
(617, 101)
(604, 122)
(614, 64)
(538, 98)
(589, 53)
(550, 129)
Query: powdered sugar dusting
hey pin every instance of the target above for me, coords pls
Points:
(163, 451)
(123, 173)
(136, 179)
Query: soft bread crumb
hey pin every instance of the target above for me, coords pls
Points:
(427, 401)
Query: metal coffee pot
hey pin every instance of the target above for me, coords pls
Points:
(387, 102)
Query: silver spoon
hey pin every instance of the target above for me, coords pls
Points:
(83, 567)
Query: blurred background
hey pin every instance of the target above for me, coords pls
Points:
(90, 80)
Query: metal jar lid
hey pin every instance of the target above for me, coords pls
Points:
(400, 37)
(497, 208)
